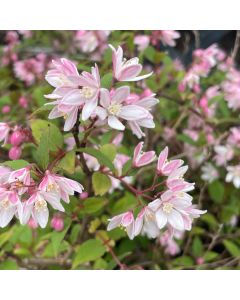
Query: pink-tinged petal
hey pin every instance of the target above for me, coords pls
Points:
(121, 94)
(54, 200)
(55, 113)
(26, 214)
(146, 122)
(136, 130)
(101, 112)
(133, 112)
(139, 222)
(154, 205)
(129, 72)
(141, 77)
(179, 172)
(127, 219)
(73, 98)
(175, 220)
(162, 159)
(89, 108)
(151, 228)
(105, 98)
(161, 219)
(114, 222)
(137, 151)
(32, 199)
(146, 158)
(95, 73)
(13, 197)
(41, 217)
(71, 120)
(76, 186)
(187, 222)
(6, 215)
(147, 102)
(115, 123)
(130, 230)
(172, 166)
(167, 196)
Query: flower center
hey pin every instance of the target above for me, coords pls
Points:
(114, 109)
(167, 207)
(5, 203)
(40, 205)
(87, 92)
(52, 187)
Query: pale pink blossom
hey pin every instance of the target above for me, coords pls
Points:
(4, 132)
(6, 109)
(4, 174)
(141, 158)
(165, 167)
(234, 137)
(20, 179)
(114, 108)
(59, 185)
(167, 37)
(142, 41)
(126, 70)
(166, 240)
(125, 220)
(209, 172)
(233, 175)
(36, 206)
(223, 154)
(145, 223)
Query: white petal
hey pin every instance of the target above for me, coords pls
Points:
(88, 108)
(175, 219)
(6, 215)
(133, 112)
(121, 94)
(115, 123)
(161, 219)
(41, 217)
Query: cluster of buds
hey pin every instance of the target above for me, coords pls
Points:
(170, 204)
(23, 197)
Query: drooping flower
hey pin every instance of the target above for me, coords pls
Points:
(146, 223)
(142, 158)
(125, 220)
(59, 185)
(209, 172)
(126, 70)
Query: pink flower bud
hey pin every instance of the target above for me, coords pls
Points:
(84, 195)
(57, 223)
(6, 109)
(200, 261)
(32, 223)
(146, 93)
(142, 158)
(17, 138)
(23, 102)
(15, 153)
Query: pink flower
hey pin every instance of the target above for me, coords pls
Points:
(165, 167)
(142, 41)
(4, 174)
(146, 223)
(4, 132)
(23, 102)
(21, 179)
(9, 206)
(32, 223)
(36, 206)
(234, 137)
(6, 109)
(126, 70)
(223, 154)
(170, 209)
(17, 138)
(61, 186)
(114, 107)
(125, 220)
(168, 37)
(142, 158)
(171, 247)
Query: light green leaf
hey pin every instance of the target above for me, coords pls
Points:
(101, 183)
(216, 191)
(232, 248)
(67, 163)
(109, 150)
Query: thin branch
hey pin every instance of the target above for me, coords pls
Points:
(236, 45)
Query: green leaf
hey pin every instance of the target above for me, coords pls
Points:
(186, 139)
(4, 237)
(106, 81)
(109, 150)
(216, 191)
(42, 153)
(57, 238)
(9, 264)
(197, 247)
(88, 251)
(102, 159)
(16, 164)
(40, 127)
(150, 53)
(67, 163)
(101, 183)
(232, 248)
(210, 256)
(93, 204)
(125, 203)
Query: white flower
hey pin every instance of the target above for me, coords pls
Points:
(209, 173)
(233, 175)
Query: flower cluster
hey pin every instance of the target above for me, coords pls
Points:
(170, 206)
(77, 94)
(22, 196)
